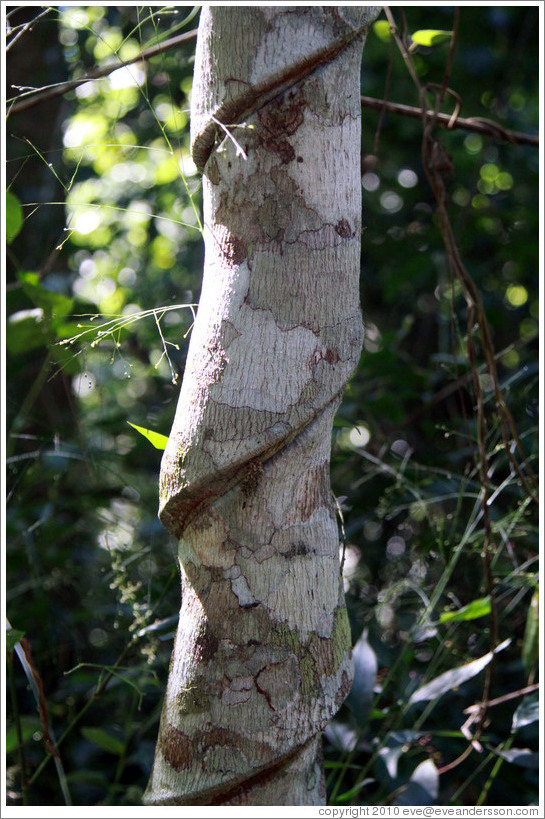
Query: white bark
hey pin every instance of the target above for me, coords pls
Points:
(262, 656)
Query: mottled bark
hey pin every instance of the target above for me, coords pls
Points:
(262, 655)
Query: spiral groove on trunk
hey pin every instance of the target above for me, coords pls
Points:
(262, 655)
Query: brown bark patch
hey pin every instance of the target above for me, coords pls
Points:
(279, 119)
(251, 477)
(176, 748)
(206, 644)
(232, 248)
(331, 356)
(343, 229)
(297, 549)
(212, 171)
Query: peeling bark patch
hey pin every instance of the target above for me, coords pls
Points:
(176, 748)
(240, 588)
(343, 229)
(281, 118)
(232, 248)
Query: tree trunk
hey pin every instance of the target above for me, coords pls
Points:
(262, 656)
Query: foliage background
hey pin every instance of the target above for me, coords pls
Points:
(104, 255)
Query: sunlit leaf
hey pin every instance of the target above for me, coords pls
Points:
(430, 36)
(453, 678)
(360, 698)
(390, 758)
(25, 331)
(527, 712)
(341, 736)
(14, 216)
(396, 745)
(530, 643)
(159, 441)
(523, 757)
(473, 610)
(423, 786)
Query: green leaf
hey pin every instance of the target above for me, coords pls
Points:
(14, 216)
(159, 441)
(347, 796)
(530, 643)
(55, 305)
(453, 678)
(28, 727)
(25, 330)
(475, 609)
(13, 635)
(430, 36)
(360, 698)
(104, 740)
(422, 788)
(524, 757)
(382, 30)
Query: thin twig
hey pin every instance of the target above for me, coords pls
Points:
(438, 168)
(26, 27)
(529, 689)
(39, 95)
(17, 721)
(386, 93)
(478, 125)
(103, 681)
(450, 58)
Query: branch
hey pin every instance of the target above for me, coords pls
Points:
(477, 124)
(39, 95)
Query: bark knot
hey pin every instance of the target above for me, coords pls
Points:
(343, 229)
(251, 477)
